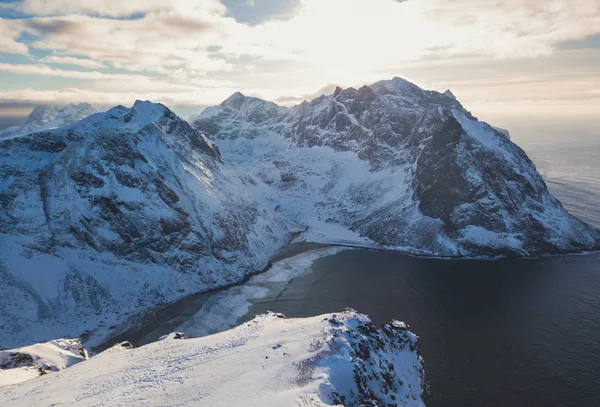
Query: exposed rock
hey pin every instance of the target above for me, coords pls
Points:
(401, 167)
(304, 361)
(120, 211)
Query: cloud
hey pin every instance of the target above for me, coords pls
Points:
(115, 8)
(84, 63)
(159, 42)
(194, 45)
(44, 70)
(9, 32)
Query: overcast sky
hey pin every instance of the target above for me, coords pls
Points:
(511, 55)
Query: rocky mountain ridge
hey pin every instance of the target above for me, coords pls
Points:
(117, 212)
(333, 359)
(399, 167)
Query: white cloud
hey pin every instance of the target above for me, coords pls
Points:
(44, 70)
(116, 8)
(193, 45)
(84, 63)
(9, 32)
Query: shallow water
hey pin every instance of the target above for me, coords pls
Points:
(494, 333)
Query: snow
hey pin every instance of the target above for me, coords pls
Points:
(348, 167)
(49, 117)
(134, 208)
(225, 309)
(269, 361)
(72, 264)
(28, 362)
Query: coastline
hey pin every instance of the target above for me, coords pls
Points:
(137, 326)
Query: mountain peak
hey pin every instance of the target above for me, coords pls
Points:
(146, 109)
(395, 85)
(42, 114)
(449, 94)
(234, 101)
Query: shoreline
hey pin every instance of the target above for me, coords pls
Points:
(153, 318)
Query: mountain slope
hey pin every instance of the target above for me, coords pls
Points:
(270, 361)
(49, 117)
(396, 166)
(117, 212)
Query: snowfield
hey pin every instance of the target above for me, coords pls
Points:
(121, 211)
(335, 359)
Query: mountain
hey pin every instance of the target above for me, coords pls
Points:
(48, 117)
(120, 211)
(395, 166)
(335, 359)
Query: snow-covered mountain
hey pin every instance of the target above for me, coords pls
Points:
(339, 359)
(394, 165)
(117, 212)
(134, 207)
(49, 117)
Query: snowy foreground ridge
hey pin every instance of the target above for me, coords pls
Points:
(334, 359)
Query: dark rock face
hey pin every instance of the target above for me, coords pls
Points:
(129, 209)
(467, 189)
(16, 359)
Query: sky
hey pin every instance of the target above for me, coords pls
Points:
(495, 55)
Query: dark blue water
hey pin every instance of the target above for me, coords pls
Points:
(494, 333)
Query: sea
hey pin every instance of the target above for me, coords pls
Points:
(508, 332)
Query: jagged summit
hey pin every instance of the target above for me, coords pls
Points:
(133, 207)
(400, 167)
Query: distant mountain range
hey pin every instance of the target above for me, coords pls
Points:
(134, 207)
(48, 117)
